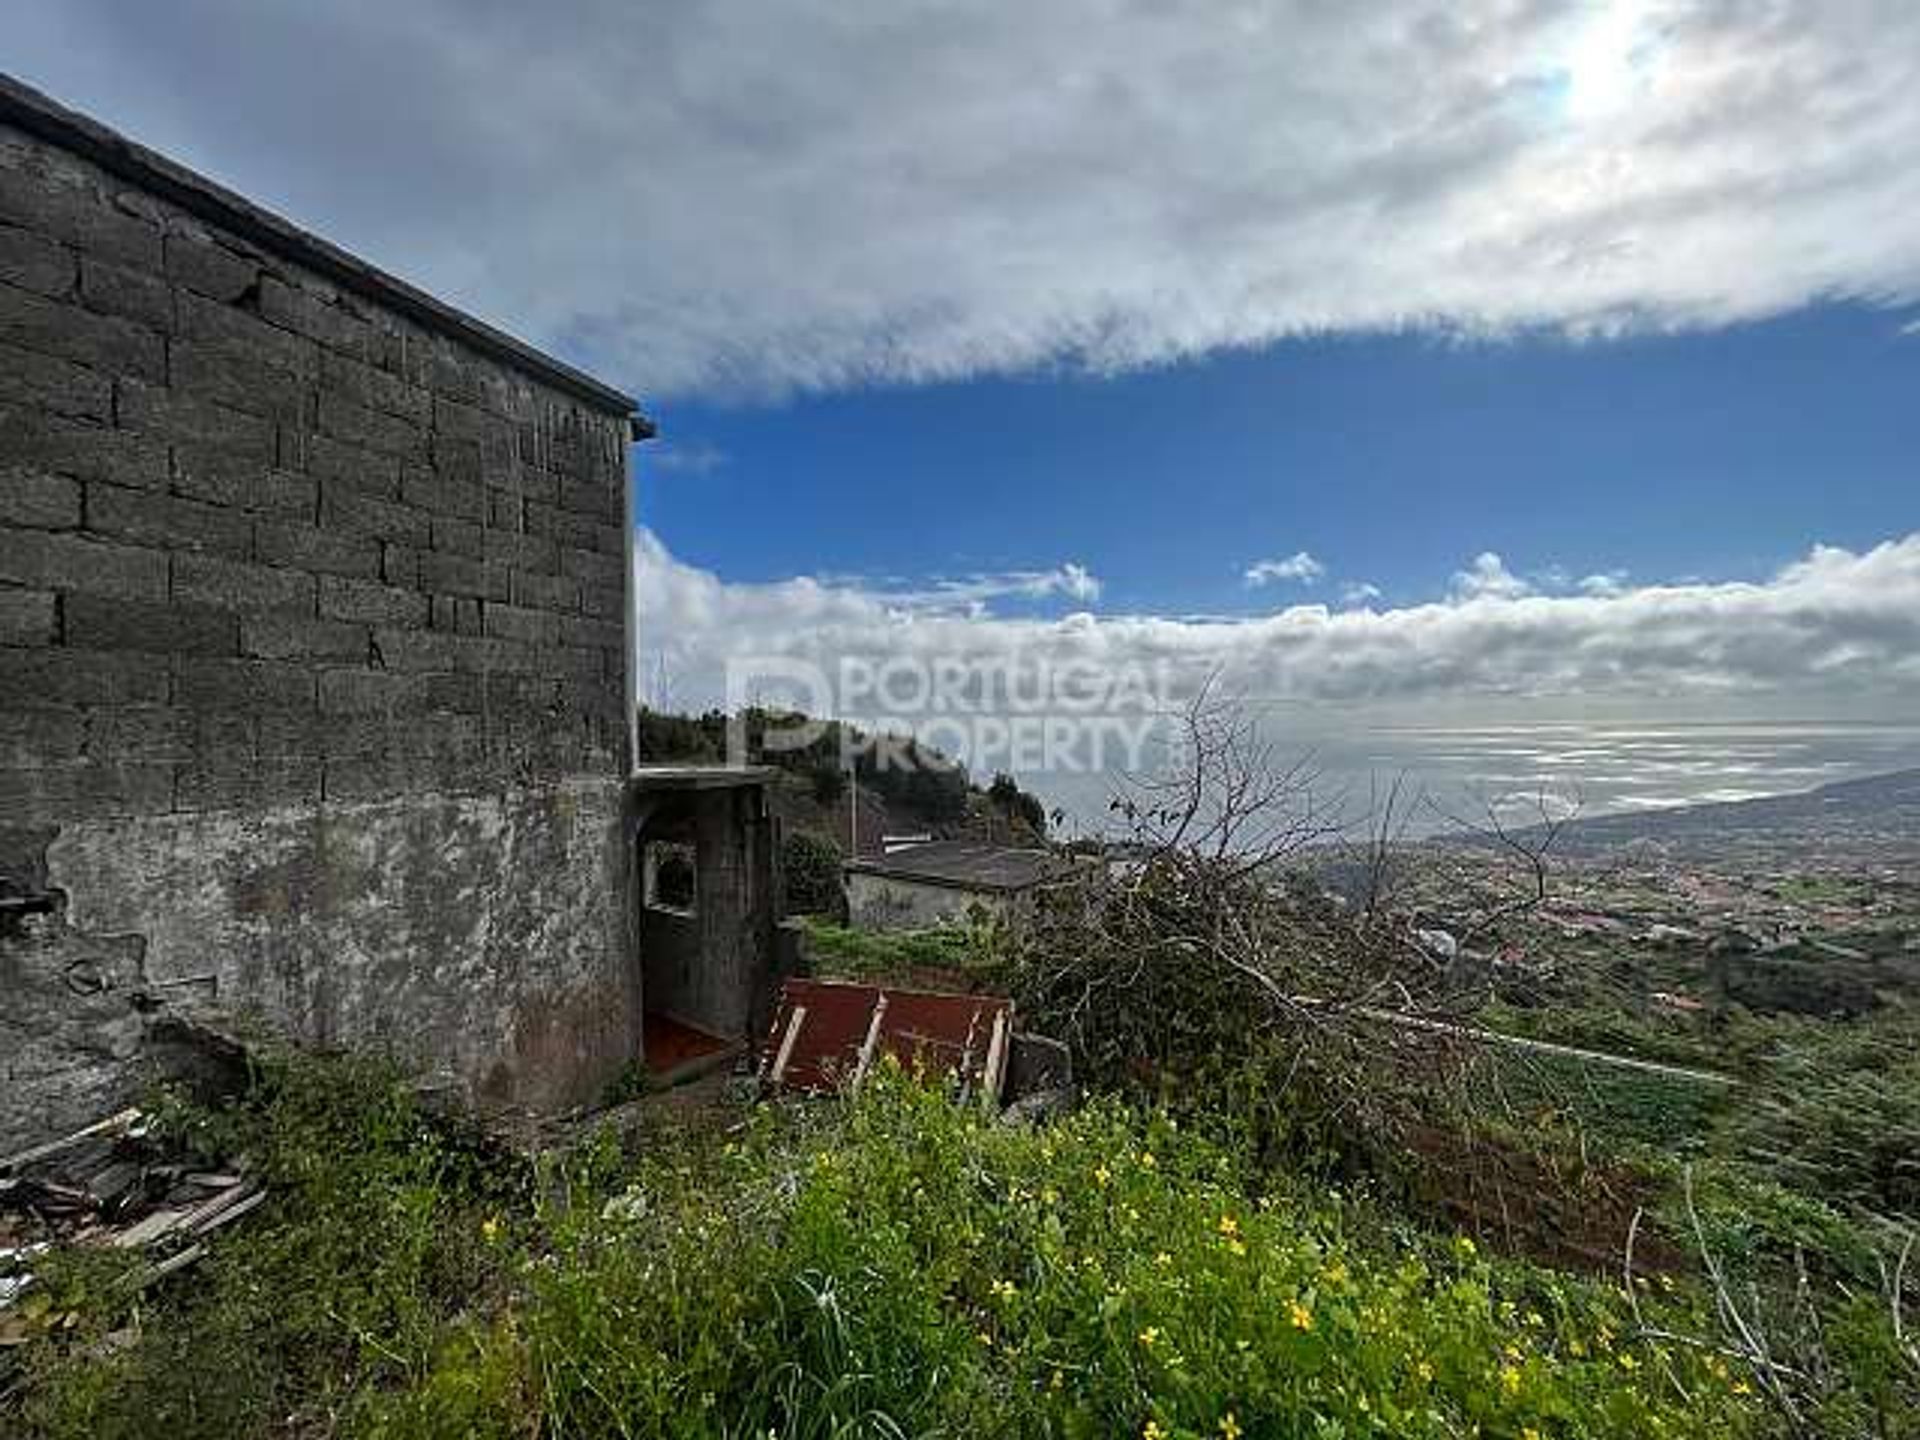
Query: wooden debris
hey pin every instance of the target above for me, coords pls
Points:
(113, 1125)
(795, 1020)
(112, 1185)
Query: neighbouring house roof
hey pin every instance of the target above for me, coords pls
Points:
(27, 109)
(962, 864)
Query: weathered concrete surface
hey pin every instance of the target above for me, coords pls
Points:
(71, 1023)
(311, 650)
(892, 902)
(478, 938)
(715, 968)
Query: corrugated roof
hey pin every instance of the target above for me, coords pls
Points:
(827, 1033)
(965, 864)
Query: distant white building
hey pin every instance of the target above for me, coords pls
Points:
(916, 886)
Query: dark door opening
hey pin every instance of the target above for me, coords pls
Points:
(707, 898)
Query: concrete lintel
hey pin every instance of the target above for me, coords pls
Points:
(701, 777)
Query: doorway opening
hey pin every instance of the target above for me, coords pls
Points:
(707, 850)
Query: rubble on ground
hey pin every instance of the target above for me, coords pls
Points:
(114, 1184)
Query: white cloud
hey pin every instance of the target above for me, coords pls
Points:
(1835, 623)
(1358, 592)
(743, 196)
(971, 595)
(1299, 566)
(1606, 582)
(1488, 576)
(693, 457)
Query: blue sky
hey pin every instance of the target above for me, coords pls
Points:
(1392, 460)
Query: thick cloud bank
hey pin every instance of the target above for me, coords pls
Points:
(1832, 627)
(730, 195)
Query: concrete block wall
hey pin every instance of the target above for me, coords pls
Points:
(279, 548)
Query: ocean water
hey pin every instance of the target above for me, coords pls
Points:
(1458, 770)
(1614, 768)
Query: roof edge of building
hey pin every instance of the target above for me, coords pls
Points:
(44, 117)
(898, 867)
(944, 882)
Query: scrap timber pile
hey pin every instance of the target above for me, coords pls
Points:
(113, 1185)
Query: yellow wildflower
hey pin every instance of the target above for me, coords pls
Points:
(1238, 1247)
(1464, 1245)
(1528, 1432)
(1229, 1225)
(1150, 1336)
(1101, 1174)
(1229, 1427)
(1003, 1289)
(1510, 1380)
(1299, 1316)
(984, 1338)
(1147, 1162)
(490, 1229)
(1153, 1431)
(1627, 1362)
(1535, 1319)
(1741, 1387)
(1424, 1370)
(1163, 1259)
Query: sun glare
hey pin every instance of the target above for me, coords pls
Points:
(1603, 65)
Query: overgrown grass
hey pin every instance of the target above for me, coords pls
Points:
(892, 1266)
(341, 1285)
(841, 952)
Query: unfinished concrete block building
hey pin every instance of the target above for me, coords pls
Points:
(313, 651)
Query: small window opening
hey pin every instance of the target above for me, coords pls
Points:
(671, 881)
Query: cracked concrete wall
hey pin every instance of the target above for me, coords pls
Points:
(311, 651)
(478, 940)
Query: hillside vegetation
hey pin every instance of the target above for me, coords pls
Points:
(904, 787)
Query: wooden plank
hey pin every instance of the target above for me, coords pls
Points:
(198, 1215)
(995, 1073)
(156, 1226)
(794, 1022)
(872, 1042)
(112, 1125)
(229, 1214)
